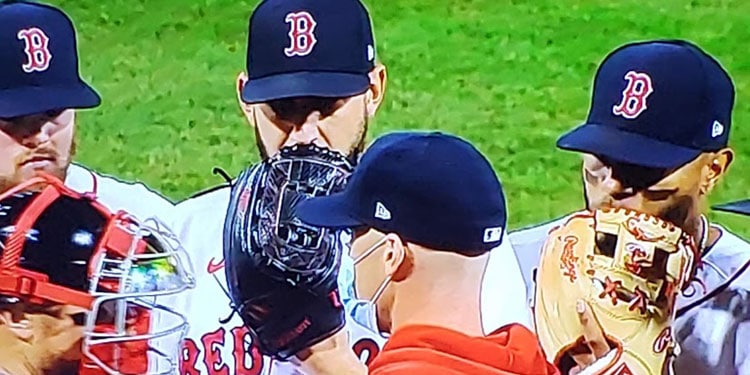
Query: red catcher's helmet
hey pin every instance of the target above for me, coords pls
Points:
(58, 246)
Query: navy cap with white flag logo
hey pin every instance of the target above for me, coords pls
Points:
(432, 189)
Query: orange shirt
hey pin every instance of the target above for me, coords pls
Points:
(429, 350)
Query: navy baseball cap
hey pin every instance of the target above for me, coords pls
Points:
(656, 104)
(321, 48)
(432, 189)
(39, 61)
(739, 207)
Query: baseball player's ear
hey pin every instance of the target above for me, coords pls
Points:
(398, 258)
(247, 109)
(718, 165)
(378, 82)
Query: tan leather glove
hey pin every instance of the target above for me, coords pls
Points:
(628, 268)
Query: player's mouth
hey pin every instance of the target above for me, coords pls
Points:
(39, 161)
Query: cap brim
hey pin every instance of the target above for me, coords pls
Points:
(330, 211)
(626, 147)
(298, 84)
(739, 207)
(37, 99)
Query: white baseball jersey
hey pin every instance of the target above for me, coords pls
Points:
(135, 198)
(503, 295)
(213, 347)
(713, 314)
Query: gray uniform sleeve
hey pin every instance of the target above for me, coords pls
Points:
(713, 323)
(715, 336)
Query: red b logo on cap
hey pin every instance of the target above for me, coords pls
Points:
(634, 96)
(301, 34)
(37, 50)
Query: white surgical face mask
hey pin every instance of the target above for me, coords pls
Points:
(362, 311)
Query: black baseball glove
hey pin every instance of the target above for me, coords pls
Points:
(282, 273)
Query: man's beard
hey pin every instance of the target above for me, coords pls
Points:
(359, 146)
(355, 150)
(259, 144)
(681, 213)
(59, 169)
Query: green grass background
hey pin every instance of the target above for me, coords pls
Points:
(509, 75)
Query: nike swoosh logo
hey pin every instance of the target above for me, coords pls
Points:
(213, 267)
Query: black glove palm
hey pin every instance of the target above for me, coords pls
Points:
(282, 273)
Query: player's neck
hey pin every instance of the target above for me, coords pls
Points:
(711, 235)
(444, 298)
(703, 233)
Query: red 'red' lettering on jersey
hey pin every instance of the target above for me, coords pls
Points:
(247, 358)
(366, 346)
(213, 343)
(189, 357)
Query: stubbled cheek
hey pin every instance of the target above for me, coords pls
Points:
(679, 211)
(271, 137)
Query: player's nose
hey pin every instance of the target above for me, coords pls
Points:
(621, 195)
(612, 185)
(34, 136)
(632, 202)
(307, 132)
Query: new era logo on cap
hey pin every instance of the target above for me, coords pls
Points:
(381, 212)
(717, 129)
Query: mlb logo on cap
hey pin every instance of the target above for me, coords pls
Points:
(656, 104)
(39, 61)
(322, 48)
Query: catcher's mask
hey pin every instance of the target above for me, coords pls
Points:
(268, 249)
(62, 247)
